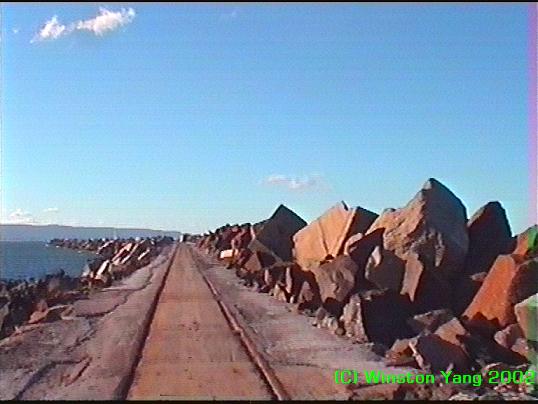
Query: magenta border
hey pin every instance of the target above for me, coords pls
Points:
(533, 121)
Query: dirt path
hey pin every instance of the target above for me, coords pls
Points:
(191, 350)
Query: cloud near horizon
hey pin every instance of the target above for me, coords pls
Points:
(51, 210)
(311, 182)
(20, 216)
(105, 21)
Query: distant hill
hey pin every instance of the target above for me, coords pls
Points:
(25, 232)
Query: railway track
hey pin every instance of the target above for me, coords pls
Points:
(196, 347)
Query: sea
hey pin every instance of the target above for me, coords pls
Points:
(35, 259)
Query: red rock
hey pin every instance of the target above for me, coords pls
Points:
(336, 281)
(510, 280)
(328, 234)
(431, 228)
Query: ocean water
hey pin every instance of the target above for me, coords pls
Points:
(31, 259)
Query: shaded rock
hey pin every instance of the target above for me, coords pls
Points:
(512, 339)
(327, 234)
(336, 281)
(489, 236)
(432, 353)
(275, 235)
(527, 317)
(308, 297)
(510, 280)
(360, 247)
(385, 269)
(431, 229)
(423, 286)
(429, 321)
(377, 316)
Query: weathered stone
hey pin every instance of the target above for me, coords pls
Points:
(51, 314)
(429, 321)
(432, 353)
(510, 280)
(308, 297)
(385, 269)
(431, 228)
(327, 234)
(360, 247)
(508, 336)
(401, 354)
(376, 315)
(527, 317)
(275, 235)
(453, 332)
(527, 243)
(336, 281)
(423, 286)
(489, 237)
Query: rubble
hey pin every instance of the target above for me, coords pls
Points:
(49, 299)
(442, 291)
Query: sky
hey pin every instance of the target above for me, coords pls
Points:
(187, 117)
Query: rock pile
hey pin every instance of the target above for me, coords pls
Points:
(49, 298)
(436, 289)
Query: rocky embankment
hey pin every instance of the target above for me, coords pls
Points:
(84, 343)
(51, 298)
(425, 284)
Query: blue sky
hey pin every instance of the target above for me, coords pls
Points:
(185, 117)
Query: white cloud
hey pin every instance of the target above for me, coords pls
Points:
(105, 21)
(51, 30)
(20, 216)
(230, 15)
(51, 210)
(294, 183)
(15, 30)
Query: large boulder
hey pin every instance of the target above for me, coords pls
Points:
(431, 228)
(489, 237)
(275, 235)
(336, 281)
(510, 280)
(376, 316)
(328, 234)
